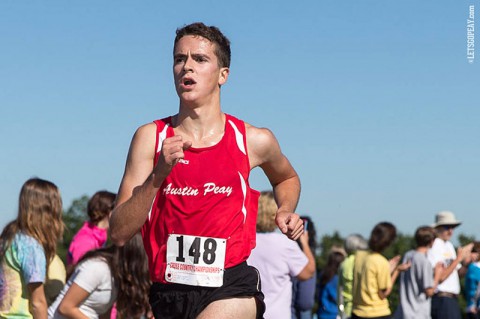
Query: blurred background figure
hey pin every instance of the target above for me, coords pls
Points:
(303, 293)
(418, 283)
(472, 284)
(102, 277)
(27, 246)
(57, 276)
(353, 243)
(374, 275)
(328, 285)
(93, 234)
(445, 300)
(278, 259)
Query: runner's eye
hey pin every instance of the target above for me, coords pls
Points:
(200, 59)
(178, 60)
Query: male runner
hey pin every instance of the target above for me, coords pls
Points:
(186, 187)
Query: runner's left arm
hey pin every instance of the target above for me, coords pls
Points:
(265, 152)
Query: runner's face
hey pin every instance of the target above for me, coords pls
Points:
(195, 68)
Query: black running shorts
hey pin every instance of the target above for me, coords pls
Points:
(175, 301)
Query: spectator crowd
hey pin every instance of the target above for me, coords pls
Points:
(101, 280)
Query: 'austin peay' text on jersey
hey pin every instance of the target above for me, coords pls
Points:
(207, 194)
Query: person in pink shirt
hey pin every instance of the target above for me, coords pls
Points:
(93, 234)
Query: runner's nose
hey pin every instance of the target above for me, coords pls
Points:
(188, 64)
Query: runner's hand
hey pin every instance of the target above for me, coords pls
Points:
(171, 153)
(290, 224)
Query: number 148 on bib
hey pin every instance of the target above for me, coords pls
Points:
(195, 260)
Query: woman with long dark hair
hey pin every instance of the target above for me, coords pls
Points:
(94, 232)
(102, 277)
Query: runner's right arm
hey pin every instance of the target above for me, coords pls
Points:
(142, 180)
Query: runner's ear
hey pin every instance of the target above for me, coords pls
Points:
(223, 76)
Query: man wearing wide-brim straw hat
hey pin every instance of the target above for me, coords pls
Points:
(444, 301)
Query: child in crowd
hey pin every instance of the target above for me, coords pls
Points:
(418, 283)
(102, 277)
(27, 246)
(472, 284)
(328, 284)
(374, 275)
(93, 234)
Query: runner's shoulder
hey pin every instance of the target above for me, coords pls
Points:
(258, 134)
(146, 132)
(144, 140)
(262, 144)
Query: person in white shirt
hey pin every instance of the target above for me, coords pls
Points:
(444, 301)
(102, 277)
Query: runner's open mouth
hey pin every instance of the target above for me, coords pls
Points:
(188, 82)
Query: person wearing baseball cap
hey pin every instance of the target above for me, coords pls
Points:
(444, 301)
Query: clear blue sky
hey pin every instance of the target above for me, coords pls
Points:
(374, 102)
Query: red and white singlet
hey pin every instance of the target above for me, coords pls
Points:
(203, 218)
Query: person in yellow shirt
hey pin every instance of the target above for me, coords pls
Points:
(57, 277)
(374, 275)
(353, 243)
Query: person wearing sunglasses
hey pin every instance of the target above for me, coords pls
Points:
(445, 300)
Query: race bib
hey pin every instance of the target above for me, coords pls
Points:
(195, 260)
